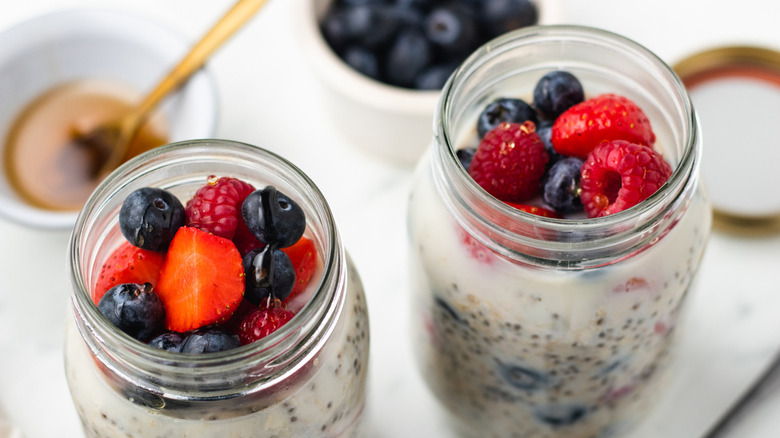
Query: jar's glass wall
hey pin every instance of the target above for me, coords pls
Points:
(307, 378)
(526, 326)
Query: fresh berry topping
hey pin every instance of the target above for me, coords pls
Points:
(216, 207)
(168, 341)
(510, 162)
(465, 156)
(504, 110)
(273, 217)
(128, 264)
(133, 308)
(618, 175)
(561, 185)
(303, 256)
(262, 322)
(208, 340)
(602, 118)
(201, 281)
(533, 209)
(501, 16)
(269, 273)
(149, 218)
(545, 133)
(556, 92)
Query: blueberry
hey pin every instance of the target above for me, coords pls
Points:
(522, 377)
(452, 28)
(416, 4)
(556, 92)
(501, 16)
(269, 272)
(209, 340)
(371, 24)
(273, 217)
(168, 341)
(434, 77)
(361, 2)
(560, 415)
(465, 156)
(544, 130)
(135, 309)
(407, 57)
(504, 110)
(362, 60)
(149, 218)
(561, 185)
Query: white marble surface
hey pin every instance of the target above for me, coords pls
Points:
(268, 94)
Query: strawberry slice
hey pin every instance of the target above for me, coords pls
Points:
(303, 256)
(605, 117)
(201, 281)
(127, 264)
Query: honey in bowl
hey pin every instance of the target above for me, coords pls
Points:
(44, 165)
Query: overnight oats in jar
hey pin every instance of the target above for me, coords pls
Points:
(556, 227)
(212, 296)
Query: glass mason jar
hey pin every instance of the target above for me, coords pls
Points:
(529, 326)
(308, 378)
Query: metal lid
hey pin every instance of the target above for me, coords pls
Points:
(736, 93)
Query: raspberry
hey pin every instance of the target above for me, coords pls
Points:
(510, 162)
(618, 175)
(533, 209)
(261, 322)
(216, 207)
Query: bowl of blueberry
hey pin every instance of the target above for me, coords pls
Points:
(382, 63)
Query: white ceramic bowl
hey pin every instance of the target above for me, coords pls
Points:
(391, 122)
(52, 49)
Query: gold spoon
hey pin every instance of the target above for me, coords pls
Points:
(110, 141)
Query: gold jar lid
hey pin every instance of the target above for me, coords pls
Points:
(736, 93)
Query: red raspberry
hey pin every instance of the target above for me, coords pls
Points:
(533, 209)
(602, 118)
(261, 322)
(618, 175)
(510, 162)
(216, 207)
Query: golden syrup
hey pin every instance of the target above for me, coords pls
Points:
(43, 164)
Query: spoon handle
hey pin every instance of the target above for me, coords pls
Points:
(231, 21)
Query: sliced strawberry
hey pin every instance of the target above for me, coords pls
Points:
(202, 280)
(605, 117)
(303, 256)
(128, 264)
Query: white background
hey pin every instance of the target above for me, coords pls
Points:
(267, 94)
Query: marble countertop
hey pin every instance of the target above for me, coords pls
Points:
(266, 90)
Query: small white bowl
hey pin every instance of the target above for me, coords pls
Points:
(393, 123)
(52, 49)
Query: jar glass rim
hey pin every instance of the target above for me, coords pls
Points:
(306, 324)
(466, 192)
